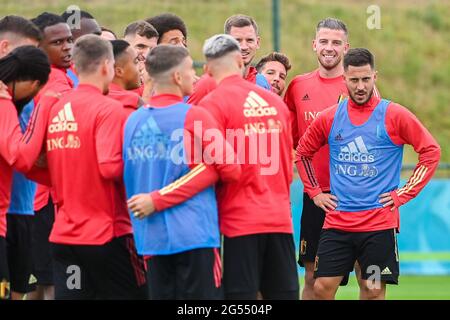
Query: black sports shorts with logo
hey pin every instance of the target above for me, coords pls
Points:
(376, 252)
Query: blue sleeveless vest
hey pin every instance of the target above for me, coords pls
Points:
(364, 162)
(154, 157)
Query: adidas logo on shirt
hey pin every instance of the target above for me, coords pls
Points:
(256, 106)
(356, 151)
(64, 121)
(386, 271)
(305, 97)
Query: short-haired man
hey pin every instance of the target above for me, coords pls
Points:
(108, 34)
(143, 37)
(17, 31)
(57, 42)
(275, 67)
(171, 29)
(365, 136)
(92, 229)
(245, 30)
(85, 25)
(182, 241)
(126, 76)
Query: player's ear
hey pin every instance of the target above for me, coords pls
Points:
(207, 69)
(346, 47)
(118, 71)
(375, 75)
(4, 46)
(240, 61)
(258, 42)
(177, 77)
(35, 85)
(104, 67)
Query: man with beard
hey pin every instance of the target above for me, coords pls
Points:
(275, 67)
(307, 96)
(366, 136)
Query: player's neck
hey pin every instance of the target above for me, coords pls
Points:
(119, 83)
(92, 80)
(161, 89)
(219, 76)
(331, 73)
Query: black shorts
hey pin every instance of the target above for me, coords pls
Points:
(190, 275)
(310, 227)
(42, 250)
(109, 271)
(18, 247)
(4, 271)
(376, 252)
(260, 262)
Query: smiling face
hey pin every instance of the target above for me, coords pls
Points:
(330, 46)
(248, 42)
(275, 73)
(58, 44)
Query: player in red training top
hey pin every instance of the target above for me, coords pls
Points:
(92, 229)
(126, 76)
(25, 70)
(365, 135)
(245, 30)
(307, 96)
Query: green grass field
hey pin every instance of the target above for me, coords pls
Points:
(409, 288)
(411, 47)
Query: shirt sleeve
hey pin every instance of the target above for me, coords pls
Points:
(33, 141)
(205, 143)
(404, 128)
(10, 133)
(290, 102)
(107, 141)
(314, 138)
(206, 167)
(196, 180)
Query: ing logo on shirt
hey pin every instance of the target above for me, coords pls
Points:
(149, 143)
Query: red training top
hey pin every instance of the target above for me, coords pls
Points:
(84, 155)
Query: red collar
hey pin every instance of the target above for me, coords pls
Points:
(369, 105)
(89, 87)
(115, 87)
(231, 79)
(251, 74)
(165, 99)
